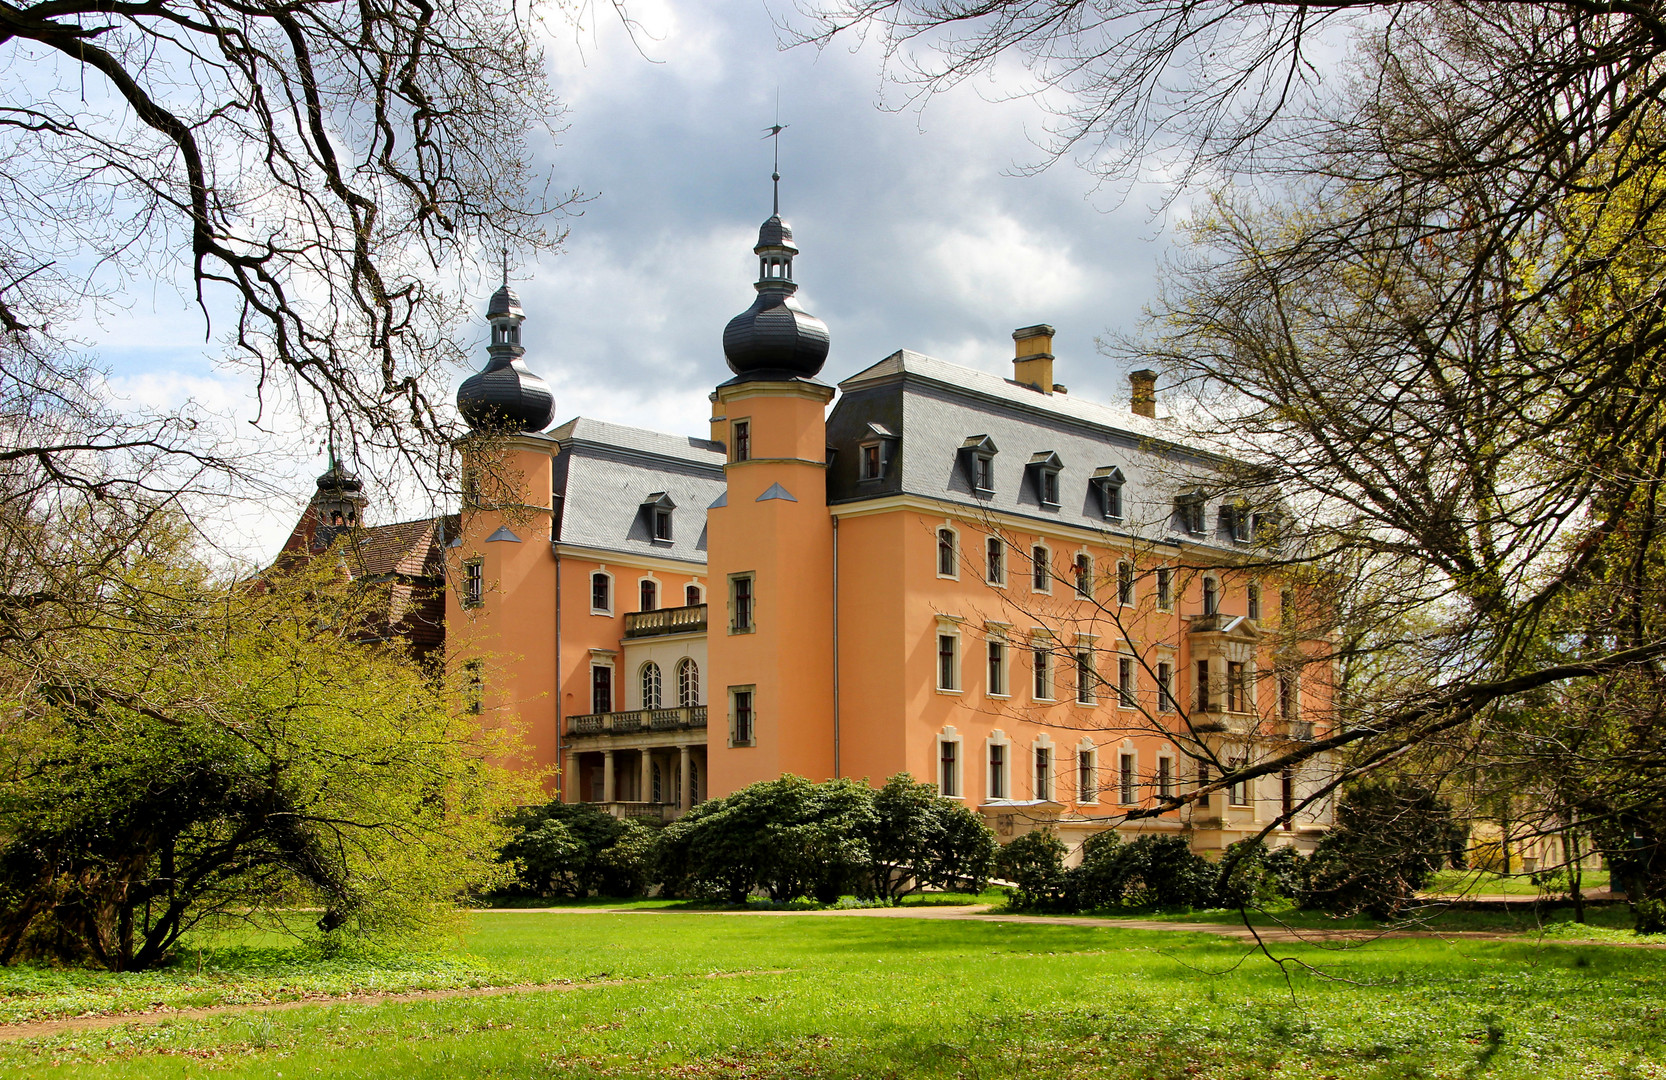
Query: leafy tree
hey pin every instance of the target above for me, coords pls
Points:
(1034, 863)
(1389, 839)
(559, 848)
(201, 751)
(919, 839)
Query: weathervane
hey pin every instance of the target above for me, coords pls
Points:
(506, 266)
(775, 130)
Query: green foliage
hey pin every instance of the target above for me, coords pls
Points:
(792, 838)
(1164, 872)
(1101, 880)
(1034, 863)
(1388, 841)
(201, 750)
(557, 848)
(1651, 916)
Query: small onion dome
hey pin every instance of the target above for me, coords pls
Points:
(775, 338)
(338, 479)
(506, 396)
(504, 302)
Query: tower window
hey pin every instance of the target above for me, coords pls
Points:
(742, 432)
(740, 604)
(742, 722)
(474, 583)
(601, 593)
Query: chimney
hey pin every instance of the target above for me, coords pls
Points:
(1144, 398)
(1032, 363)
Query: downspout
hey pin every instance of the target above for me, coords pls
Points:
(836, 771)
(560, 755)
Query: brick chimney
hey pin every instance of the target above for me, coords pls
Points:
(1144, 397)
(1032, 363)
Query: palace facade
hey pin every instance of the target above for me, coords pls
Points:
(1038, 602)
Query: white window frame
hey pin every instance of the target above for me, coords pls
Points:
(997, 738)
(1082, 584)
(1046, 568)
(1087, 689)
(1164, 588)
(642, 685)
(954, 553)
(1211, 589)
(1165, 782)
(688, 664)
(649, 579)
(950, 737)
(751, 627)
(1125, 583)
(996, 639)
(699, 594)
(947, 630)
(1127, 689)
(1127, 777)
(612, 593)
(1042, 677)
(1087, 762)
(1044, 790)
(998, 547)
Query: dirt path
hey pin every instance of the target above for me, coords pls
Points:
(76, 1024)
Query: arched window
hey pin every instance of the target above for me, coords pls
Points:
(693, 783)
(1084, 575)
(601, 592)
(688, 683)
(649, 595)
(948, 558)
(691, 596)
(650, 685)
(1211, 596)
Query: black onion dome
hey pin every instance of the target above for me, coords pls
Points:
(506, 397)
(775, 233)
(776, 337)
(504, 302)
(339, 479)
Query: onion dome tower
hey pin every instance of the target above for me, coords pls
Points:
(506, 397)
(338, 504)
(775, 339)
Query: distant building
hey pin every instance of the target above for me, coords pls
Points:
(1022, 596)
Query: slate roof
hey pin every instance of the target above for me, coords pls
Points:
(935, 408)
(605, 472)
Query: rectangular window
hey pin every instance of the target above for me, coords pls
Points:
(648, 595)
(1125, 685)
(1165, 776)
(1125, 583)
(601, 688)
(946, 662)
(984, 470)
(1253, 600)
(691, 595)
(948, 558)
(601, 593)
(740, 604)
(743, 723)
(1087, 776)
(1087, 679)
(1211, 596)
(474, 690)
(1049, 487)
(1204, 701)
(1127, 783)
(870, 461)
(662, 525)
(1238, 793)
(997, 667)
(1287, 797)
(948, 768)
(995, 569)
(1043, 773)
(1041, 574)
(743, 440)
(1042, 657)
(1287, 697)
(474, 584)
(1165, 688)
(1203, 782)
(1165, 588)
(1111, 496)
(1084, 576)
(997, 771)
(1235, 688)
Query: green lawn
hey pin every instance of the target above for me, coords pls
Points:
(838, 996)
(1486, 883)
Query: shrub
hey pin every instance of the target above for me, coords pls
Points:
(558, 849)
(1388, 841)
(1251, 875)
(1101, 881)
(1164, 872)
(1034, 863)
(1651, 916)
(918, 839)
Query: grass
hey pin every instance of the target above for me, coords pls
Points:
(1487, 883)
(854, 996)
(1605, 922)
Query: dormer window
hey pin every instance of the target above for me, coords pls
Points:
(1044, 469)
(978, 459)
(875, 451)
(1188, 510)
(872, 462)
(1107, 483)
(656, 511)
(1236, 518)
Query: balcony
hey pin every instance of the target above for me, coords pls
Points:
(638, 721)
(671, 620)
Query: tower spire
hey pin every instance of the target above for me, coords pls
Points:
(775, 131)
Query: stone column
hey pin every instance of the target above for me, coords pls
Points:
(645, 789)
(607, 776)
(683, 777)
(570, 791)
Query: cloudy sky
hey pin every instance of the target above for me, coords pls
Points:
(916, 231)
